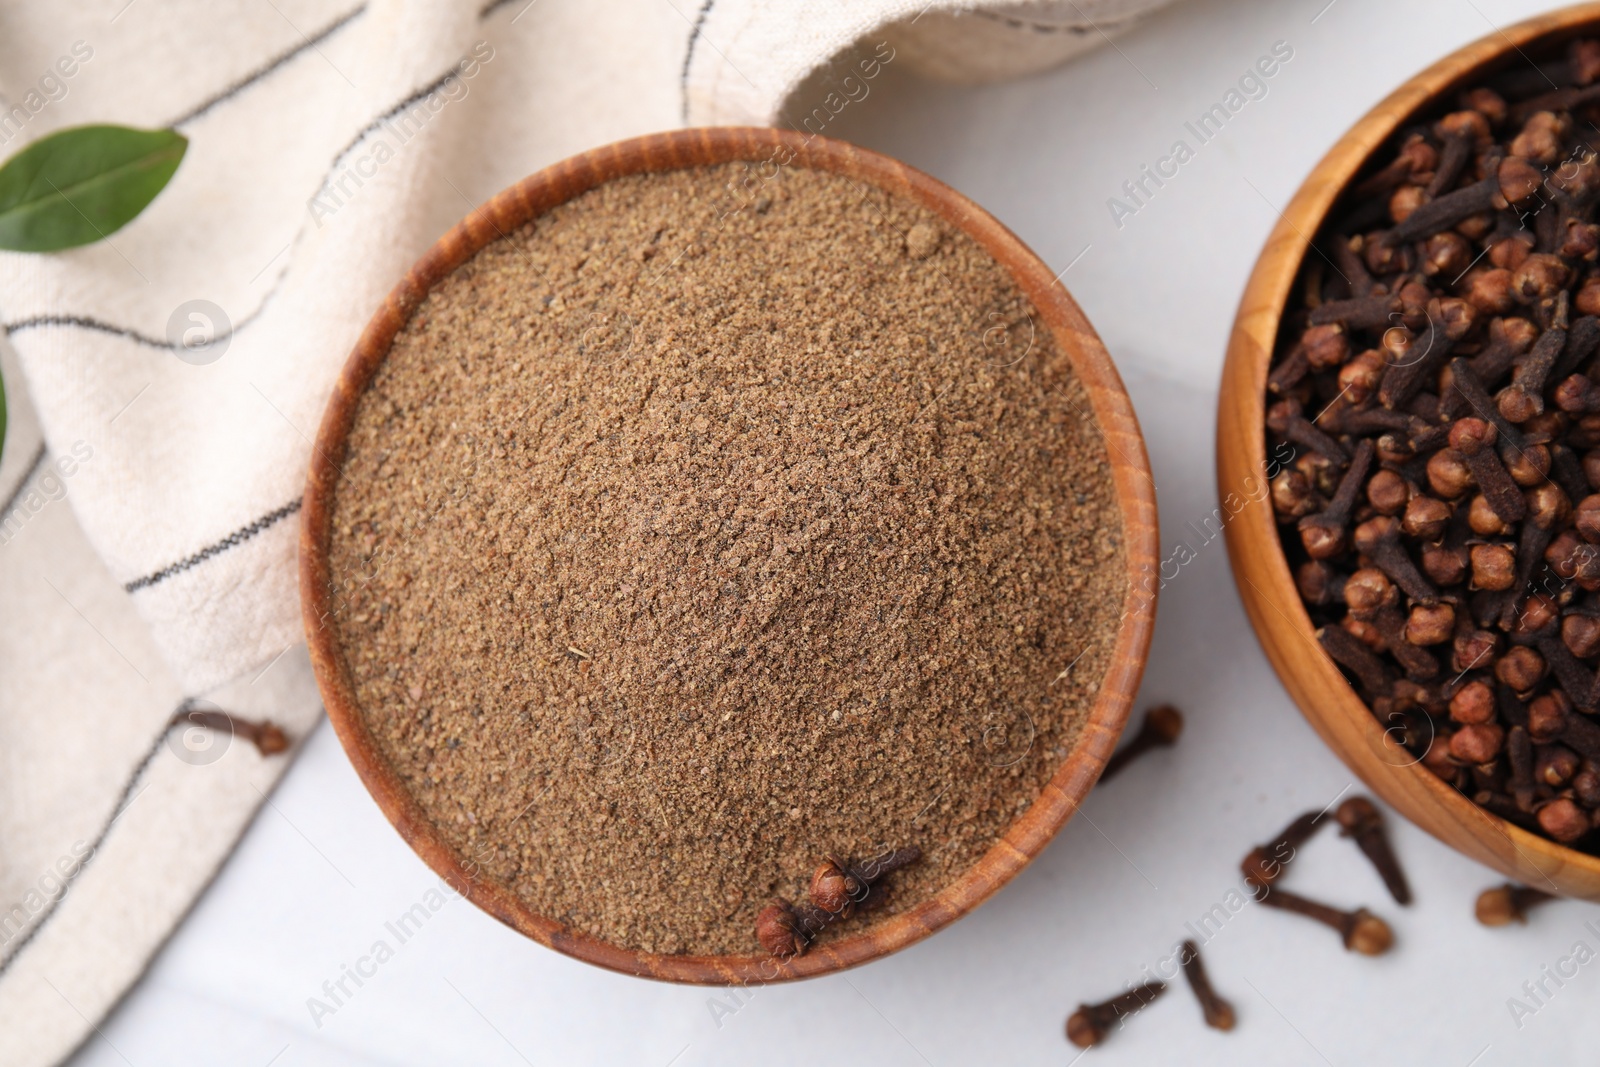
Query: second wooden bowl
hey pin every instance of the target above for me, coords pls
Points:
(1024, 838)
(1259, 566)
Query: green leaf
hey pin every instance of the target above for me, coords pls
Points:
(78, 185)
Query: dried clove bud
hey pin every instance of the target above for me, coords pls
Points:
(1494, 567)
(1162, 725)
(1425, 518)
(1293, 496)
(1431, 624)
(1324, 534)
(1473, 649)
(1218, 1013)
(1379, 540)
(1287, 419)
(879, 867)
(267, 736)
(1473, 439)
(1473, 703)
(1577, 395)
(1521, 668)
(1519, 754)
(786, 930)
(1388, 492)
(1361, 930)
(1355, 657)
(1477, 743)
(1266, 863)
(1524, 397)
(1360, 820)
(834, 889)
(1092, 1023)
(1555, 765)
(1448, 474)
(1445, 564)
(1372, 598)
(1564, 820)
(1547, 718)
(1508, 903)
(1580, 633)
(1320, 584)
(1511, 181)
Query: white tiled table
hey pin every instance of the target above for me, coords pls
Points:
(316, 878)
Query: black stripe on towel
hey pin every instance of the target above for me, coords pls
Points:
(27, 476)
(1075, 29)
(378, 123)
(250, 79)
(688, 56)
(122, 805)
(86, 323)
(238, 537)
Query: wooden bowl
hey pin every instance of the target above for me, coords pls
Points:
(1259, 566)
(538, 194)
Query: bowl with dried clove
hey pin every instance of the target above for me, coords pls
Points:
(728, 556)
(1410, 418)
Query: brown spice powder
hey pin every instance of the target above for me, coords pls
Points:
(685, 536)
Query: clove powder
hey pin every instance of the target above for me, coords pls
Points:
(712, 523)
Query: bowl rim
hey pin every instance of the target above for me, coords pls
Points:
(1315, 683)
(1113, 413)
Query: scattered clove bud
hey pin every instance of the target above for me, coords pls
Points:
(1162, 725)
(266, 735)
(1266, 863)
(1508, 903)
(1092, 1023)
(1361, 930)
(1219, 1013)
(1360, 820)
